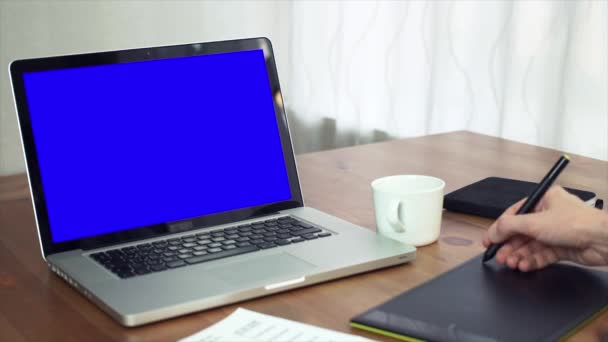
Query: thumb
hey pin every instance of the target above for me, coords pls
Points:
(509, 225)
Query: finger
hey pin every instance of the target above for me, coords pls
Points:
(486, 241)
(512, 261)
(509, 247)
(523, 253)
(512, 210)
(540, 259)
(509, 225)
(527, 264)
(518, 255)
(533, 246)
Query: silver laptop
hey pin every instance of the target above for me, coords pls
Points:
(164, 181)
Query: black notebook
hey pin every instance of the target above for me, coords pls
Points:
(490, 302)
(490, 197)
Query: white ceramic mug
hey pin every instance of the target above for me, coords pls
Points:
(408, 208)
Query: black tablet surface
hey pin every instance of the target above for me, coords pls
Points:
(489, 302)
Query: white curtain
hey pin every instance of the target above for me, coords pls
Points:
(530, 71)
(362, 71)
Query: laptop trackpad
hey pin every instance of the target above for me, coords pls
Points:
(265, 268)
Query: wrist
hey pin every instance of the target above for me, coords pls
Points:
(604, 221)
(601, 235)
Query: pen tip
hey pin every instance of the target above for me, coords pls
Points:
(567, 156)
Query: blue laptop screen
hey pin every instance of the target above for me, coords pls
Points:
(127, 145)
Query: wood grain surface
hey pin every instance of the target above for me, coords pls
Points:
(36, 305)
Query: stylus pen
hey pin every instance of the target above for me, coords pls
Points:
(533, 199)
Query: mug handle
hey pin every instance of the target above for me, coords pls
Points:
(394, 218)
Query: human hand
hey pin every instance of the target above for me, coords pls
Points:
(562, 227)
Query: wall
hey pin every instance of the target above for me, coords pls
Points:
(44, 28)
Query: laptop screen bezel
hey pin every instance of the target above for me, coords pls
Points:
(18, 68)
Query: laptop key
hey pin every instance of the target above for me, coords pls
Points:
(282, 242)
(243, 244)
(221, 254)
(126, 274)
(140, 271)
(154, 262)
(157, 268)
(197, 253)
(214, 250)
(136, 265)
(308, 231)
(309, 236)
(266, 245)
(324, 235)
(137, 259)
(122, 269)
(296, 240)
(174, 264)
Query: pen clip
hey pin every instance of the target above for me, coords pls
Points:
(599, 204)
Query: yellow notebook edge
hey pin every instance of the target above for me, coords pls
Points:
(385, 333)
(582, 324)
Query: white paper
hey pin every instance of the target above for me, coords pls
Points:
(245, 326)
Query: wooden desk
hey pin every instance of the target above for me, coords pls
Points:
(37, 305)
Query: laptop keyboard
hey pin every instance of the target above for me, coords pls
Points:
(206, 246)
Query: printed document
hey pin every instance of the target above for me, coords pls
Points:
(244, 326)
